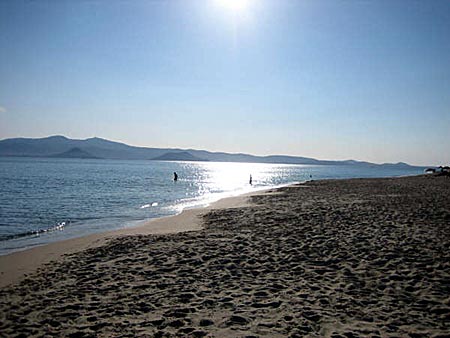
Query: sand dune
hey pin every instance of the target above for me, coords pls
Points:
(338, 258)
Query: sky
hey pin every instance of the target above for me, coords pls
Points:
(337, 79)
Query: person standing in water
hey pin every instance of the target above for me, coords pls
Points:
(175, 176)
(251, 180)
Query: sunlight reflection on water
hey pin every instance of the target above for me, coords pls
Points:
(211, 181)
(88, 196)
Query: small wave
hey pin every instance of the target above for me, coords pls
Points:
(58, 227)
(145, 206)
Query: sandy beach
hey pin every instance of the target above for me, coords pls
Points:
(336, 258)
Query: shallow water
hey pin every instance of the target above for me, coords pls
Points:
(46, 200)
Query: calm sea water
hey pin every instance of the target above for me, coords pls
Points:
(47, 200)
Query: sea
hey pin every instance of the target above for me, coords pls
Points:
(45, 200)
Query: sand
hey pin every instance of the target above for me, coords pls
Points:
(16, 266)
(337, 258)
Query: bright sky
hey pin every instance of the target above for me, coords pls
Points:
(366, 80)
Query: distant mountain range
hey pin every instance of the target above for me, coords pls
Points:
(74, 153)
(98, 148)
(178, 156)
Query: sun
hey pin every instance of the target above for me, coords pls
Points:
(234, 5)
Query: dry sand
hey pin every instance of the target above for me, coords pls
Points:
(16, 266)
(338, 258)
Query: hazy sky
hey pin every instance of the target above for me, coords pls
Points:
(367, 80)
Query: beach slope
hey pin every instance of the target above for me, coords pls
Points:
(336, 258)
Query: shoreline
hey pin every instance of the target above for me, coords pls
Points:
(199, 204)
(17, 265)
(330, 258)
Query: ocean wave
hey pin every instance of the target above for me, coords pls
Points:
(145, 206)
(58, 227)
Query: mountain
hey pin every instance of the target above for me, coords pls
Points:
(398, 164)
(178, 156)
(75, 153)
(61, 146)
(101, 148)
(35, 147)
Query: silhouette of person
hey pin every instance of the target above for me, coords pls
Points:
(251, 180)
(175, 176)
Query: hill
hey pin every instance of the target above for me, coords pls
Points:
(59, 146)
(75, 153)
(178, 156)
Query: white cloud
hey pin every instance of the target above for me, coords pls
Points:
(2, 109)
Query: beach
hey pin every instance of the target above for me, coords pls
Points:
(330, 258)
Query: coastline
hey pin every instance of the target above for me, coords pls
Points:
(18, 265)
(329, 258)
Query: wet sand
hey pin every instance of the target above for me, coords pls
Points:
(338, 258)
(16, 266)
